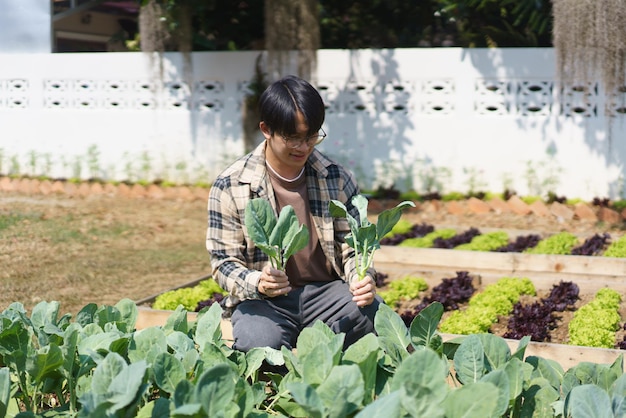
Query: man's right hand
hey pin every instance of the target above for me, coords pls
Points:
(273, 282)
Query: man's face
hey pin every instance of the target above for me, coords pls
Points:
(288, 155)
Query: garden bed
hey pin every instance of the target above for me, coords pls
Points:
(589, 273)
(433, 264)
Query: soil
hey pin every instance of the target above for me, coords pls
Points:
(100, 248)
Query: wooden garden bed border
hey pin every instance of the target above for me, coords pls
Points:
(588, 272)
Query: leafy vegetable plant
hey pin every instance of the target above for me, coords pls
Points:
(278, 238)
(406, 288)
(188, 297)
(365, 236)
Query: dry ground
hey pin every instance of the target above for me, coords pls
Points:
(97, 249)
(100, 248)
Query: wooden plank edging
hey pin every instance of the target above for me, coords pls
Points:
(590, 273)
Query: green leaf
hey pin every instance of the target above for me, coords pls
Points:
(342, 392)
(393, 334)
(549, 369)
(15, 344)
(295, 241)
(360, 203)
(127, 386)
(521, 348)
(618, 396)
(278, 238)
(215, 389)
(424, 325)
(424, 369)
(318, 335)
(365, 353)
(209, 326)
(168, 372)
(473, 400)
(388, 218)
(306, 396)
(469, 360)
(497, 351)
(44, 313)
(316, 365)
(499, 379)
(514, 369)
(158, 408)
(46, 362)
(260, 220)
(539, 398)
(105, 372)
(5, 390)
(147, 344)
(385, 406)
(128, 313)
(366, 239)
(338, 210)
(177, 321)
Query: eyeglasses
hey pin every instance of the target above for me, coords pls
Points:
(311, 141)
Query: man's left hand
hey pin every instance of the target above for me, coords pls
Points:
(363, 291)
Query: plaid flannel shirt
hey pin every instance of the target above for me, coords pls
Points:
(235, 260)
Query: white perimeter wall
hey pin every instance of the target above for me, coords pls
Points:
(422, 119)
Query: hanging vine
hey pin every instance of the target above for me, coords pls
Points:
(590, 43)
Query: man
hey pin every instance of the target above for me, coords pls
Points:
(271, 307)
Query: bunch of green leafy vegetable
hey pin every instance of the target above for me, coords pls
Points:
(594, 324)
(617, 248)
(405, 288)
(364, 235)
(188, 297)
(561, 243)
(278, 238)
(427, 240)
(486, 242)
(485, 307)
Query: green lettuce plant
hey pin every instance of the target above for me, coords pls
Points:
(561, 243)
(279, 238)
(486, 242)
(617, 248)
(496, 299)
(595, 323)
(188, 297)
(405, 288)
(427, 240)
(364, 235)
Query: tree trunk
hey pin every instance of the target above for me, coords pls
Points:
(292, 26)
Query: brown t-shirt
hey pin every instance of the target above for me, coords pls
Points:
(309, 264)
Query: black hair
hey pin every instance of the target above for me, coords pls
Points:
(282, 100)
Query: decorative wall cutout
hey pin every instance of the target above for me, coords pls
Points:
(534, 97)
(397, 97)
(330, 93)
(14, 93)
(580, 100)
(209, 95)
(617, 104)
(493, 97)
(437, 97)
(359, 97)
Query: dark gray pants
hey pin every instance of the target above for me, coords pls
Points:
(276, 322)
